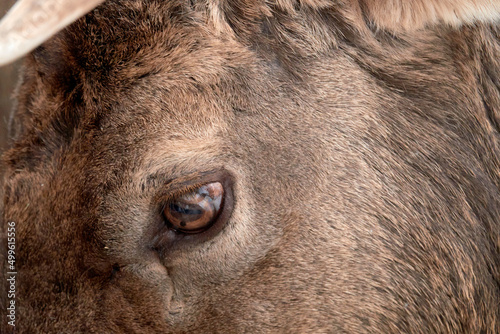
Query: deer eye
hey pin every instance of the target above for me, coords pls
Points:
(196, 211)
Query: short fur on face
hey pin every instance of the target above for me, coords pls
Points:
(364, 164)
(415, 14)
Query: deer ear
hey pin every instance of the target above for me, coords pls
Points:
(397, 15)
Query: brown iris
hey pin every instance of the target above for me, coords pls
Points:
(196, 211)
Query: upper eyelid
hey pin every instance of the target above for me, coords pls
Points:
(166, 196)
(175, 187)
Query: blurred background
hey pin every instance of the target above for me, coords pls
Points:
(8, 79)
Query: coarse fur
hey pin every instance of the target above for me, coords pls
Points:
(365, 167)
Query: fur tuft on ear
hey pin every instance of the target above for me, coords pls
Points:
(397, 15)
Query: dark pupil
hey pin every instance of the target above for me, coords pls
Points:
(185, 212)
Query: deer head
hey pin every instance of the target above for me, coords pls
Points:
(253, 166)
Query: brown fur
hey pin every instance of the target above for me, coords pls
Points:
(416, 14)
(366, 171)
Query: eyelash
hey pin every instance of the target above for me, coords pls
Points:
(176, 193)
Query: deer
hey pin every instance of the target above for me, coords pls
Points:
(237, 166)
